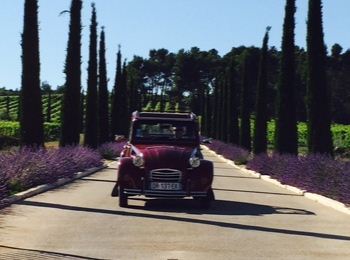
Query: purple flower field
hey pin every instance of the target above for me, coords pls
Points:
(229, 151)
(111, 150)
(314, 173)
(26, 168)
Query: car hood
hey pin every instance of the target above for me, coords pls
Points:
(172, 157)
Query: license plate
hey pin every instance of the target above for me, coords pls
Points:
(165, 186)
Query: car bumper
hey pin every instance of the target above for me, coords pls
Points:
(165, 193)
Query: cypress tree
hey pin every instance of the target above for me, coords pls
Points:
(224, 110)
(31, 116)
(91, 121)
(244, 130)
(132, 95)
(82, 112)
(216, 114)
(286, 140)
(133, 82)
(71, 127)
(115, 97)
(318, 94)
(260, 123)
(207, 114)
(218, 107)
(120, 115)
(103, 93)
(125, 115)
(232, 113)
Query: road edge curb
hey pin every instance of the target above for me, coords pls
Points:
(46, 187)
(339, 206)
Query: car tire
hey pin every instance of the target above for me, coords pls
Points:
(123, 198)
(115, 191)
(205, 202)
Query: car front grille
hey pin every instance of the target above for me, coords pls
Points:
(165, 175)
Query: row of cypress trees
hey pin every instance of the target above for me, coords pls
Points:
(97, 118)
(318, 93)
(319, 135)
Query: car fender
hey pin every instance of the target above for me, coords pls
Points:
(128, 174)
(202, 176)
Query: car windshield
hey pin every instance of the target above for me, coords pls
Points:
(164, 131)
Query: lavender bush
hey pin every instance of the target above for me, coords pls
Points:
(314, 173)
(229, 151)
(27, 167)
(111, 150)
(4, 177)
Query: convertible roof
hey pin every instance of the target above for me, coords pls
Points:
(159, 115)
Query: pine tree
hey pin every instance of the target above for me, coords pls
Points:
(91, 125)
(71, 127)
(103, 93)
(286, 140)
(260, 123)
(318, 94)
(31, 116)
(244, 130)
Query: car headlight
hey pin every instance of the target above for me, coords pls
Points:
(194, 162)
(138, 161)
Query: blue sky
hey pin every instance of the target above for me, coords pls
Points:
(140, 25)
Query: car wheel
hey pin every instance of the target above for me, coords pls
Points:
(115, 191)
(123, 198)
(206, 201)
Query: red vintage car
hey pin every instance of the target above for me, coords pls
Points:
(163, 159)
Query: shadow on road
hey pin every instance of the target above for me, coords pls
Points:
(259, 192)
(219, 207)
(10, 253)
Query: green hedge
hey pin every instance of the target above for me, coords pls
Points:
(51, 130)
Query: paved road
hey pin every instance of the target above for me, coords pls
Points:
(251, 219)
